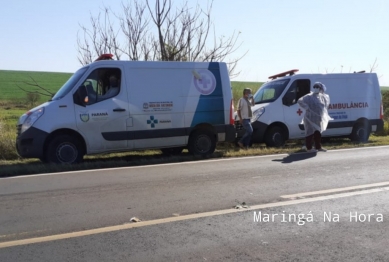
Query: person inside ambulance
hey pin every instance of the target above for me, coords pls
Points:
(316, 116)
(113, 88)
(90, 92)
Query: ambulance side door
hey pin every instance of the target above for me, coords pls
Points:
(102, 119)
(293, 113)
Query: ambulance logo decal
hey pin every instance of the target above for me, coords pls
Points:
(84, 117)
(152, 121)
(204, 81)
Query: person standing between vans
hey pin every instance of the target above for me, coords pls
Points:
(245, 114)
(316, 116)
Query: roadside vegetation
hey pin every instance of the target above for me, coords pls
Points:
(14, 102)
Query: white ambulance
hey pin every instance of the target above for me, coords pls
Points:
(356, 107)
(150, 105)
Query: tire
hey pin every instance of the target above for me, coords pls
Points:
(361, 132)
(202, 142)
(64, 149)
(275, 137)
(172, 151)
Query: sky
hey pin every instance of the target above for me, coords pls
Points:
(321, 36)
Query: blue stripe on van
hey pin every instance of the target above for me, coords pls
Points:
(210, 108)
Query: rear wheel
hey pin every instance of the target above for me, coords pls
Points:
(361, 132)
(275, 137)
(64, 149)
(202, 142)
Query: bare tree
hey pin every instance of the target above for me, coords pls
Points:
(157, 31)
(32, 98)
(35, 84)
(374, 66)
(100, 40)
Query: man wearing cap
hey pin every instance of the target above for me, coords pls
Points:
(316, 116)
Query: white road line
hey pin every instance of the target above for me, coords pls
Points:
(335, 190)
(181, 163)
(181, 218)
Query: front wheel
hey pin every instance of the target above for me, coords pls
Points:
(275, 137)
(202, 142)
(64, 149)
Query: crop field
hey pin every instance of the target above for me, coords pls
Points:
(11, 83)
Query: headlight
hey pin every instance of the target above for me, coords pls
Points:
(257, 114)
(31, 118)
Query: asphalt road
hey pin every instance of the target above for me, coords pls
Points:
(187, 211)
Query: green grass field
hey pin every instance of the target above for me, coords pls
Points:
(10, 81)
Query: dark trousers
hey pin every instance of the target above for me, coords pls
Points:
(315, 136)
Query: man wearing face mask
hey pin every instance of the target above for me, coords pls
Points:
(316, 116)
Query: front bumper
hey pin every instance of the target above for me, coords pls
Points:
(30, 143)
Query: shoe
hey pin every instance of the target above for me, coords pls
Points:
(241, 145)
(322, 150)
(304, 148)
(312, 150)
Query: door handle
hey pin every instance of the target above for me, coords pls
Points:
(119, 110)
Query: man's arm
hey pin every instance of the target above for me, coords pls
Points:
(252, 102)
(239, 110)
(302, 103)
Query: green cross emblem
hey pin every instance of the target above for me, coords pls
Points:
(152, 121)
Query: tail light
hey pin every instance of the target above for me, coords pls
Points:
(382, 111)
(232, 112)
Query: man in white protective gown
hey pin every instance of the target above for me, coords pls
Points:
(316, 116)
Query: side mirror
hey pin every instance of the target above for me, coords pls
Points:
(80, 97)
(288, 99)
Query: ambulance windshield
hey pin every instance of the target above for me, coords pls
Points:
(270, 91)
(65, 89)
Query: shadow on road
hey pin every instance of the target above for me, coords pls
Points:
(295, 157)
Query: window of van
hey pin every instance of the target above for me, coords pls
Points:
(270, 91)
(102, 84)
(65, 89)
(297, 89)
